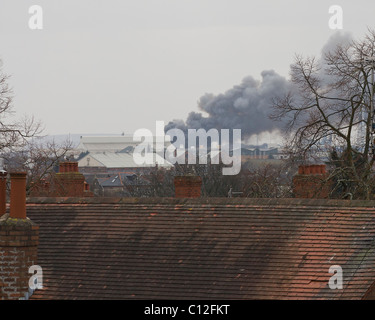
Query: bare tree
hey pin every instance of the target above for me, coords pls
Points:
(39, 159)
(14, 132)
(268, 180)
(17, 144)
(329, 110)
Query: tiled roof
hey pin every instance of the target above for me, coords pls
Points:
(203, 248)
(113, 181)
(122, 179)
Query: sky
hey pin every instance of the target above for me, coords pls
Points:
(120, 65)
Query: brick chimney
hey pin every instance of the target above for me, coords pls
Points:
(41, 188)
(70, 182)
(3, 192)
(310, 182)
(19, 238)
(188, 186)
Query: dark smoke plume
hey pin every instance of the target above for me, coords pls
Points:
(245, 106)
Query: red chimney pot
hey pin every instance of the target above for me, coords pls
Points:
(3, 192)
(17, 195)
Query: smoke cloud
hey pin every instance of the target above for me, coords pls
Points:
(338, 38)
(246, 106)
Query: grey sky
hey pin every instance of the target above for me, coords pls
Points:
(117, 66)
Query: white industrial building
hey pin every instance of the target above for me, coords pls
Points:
(110, 153)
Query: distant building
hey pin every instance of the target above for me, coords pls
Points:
(280, 156)
(113, 162)
(121, 184)
(113, 154)
(99, 144)
(259, 153)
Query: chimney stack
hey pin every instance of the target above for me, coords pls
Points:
(19, 238)
(310, 182)
(70, 182)
(188, 186)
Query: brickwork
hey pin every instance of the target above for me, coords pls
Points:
(68, 182)
(41, 189)
(18, 252)
(311, 182)
(188, 186)
(19, 238)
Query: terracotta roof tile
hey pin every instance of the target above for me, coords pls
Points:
(203, 248)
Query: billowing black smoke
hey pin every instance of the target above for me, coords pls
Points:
(246, 106)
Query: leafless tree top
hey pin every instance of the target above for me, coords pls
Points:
(331, 101)
(14, 132)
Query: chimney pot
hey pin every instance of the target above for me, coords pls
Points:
(3, 192)
(17, 195)
(62, 167)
